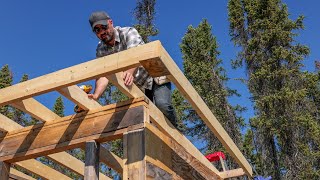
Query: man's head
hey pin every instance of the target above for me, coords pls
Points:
(102, 26)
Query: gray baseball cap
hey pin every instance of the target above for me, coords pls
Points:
(98, 17)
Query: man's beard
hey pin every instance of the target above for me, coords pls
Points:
(108, 37)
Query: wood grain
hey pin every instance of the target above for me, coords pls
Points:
(68, 132)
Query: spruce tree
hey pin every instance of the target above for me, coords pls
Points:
(203, 69)
(6, 80)
(58, 107)
(145, 16)
(283, 127)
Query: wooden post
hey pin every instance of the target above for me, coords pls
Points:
(134, 155)
(4, 170)
(91, 171)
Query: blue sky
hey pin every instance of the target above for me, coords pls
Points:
(39, 37)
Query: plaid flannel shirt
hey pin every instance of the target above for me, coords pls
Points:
(126, 38)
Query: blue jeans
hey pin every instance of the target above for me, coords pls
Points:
(161, 96)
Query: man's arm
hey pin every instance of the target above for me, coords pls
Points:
(101, 85)
(133, 39)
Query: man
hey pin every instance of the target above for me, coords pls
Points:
(115, 39)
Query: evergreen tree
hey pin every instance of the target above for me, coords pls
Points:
(6, 80)
(283, 127)
(202, 68)
(58, 107)
(145, 16)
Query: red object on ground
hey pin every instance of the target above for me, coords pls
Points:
(215, 156)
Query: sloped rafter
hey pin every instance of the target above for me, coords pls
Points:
(187, 90)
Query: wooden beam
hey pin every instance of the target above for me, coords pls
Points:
(40, 112)
(132, 91)
(187, 90)
(35, 109)
(4, 170)
(71, 131)
(171, 155)
(103, 66)
(156, 173)
(7, 125)
(72, 163)
(20, 174)
(41, 170)
(78, 96)
(162, 122)
(111, 160)
(165, 126)
(232, 173)
(134, 155)
(92, 152)
(10, 125)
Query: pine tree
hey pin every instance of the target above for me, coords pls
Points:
(284, 126)
(203, 69)
(6, 80)
(145, 16)
(58, 107)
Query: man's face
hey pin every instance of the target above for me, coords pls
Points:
(105, 32)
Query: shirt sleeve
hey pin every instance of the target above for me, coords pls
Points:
(133, 38)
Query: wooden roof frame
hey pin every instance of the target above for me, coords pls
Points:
(157, 62)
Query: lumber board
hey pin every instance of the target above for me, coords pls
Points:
(20, 174)
(62, 158)
(78, 96)
(232, 173)
(156, 173)
(187, 90)
(92, 153)
(4, 170)
(70, 132)
(72, 163)
(134, 155)
(41, 170)
(111, 160)
(164, 124)
(103, 66)
(159, 147)
(39, 111)
(7, 125)
(166, 127)
(35, 109)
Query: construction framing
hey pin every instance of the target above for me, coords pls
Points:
(153, 148)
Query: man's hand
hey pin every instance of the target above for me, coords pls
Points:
(93, 96)
(128, 78)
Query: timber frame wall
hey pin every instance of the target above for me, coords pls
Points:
(153, 148)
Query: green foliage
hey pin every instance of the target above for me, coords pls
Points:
(285, 129)
(145, 15)
(58, 107)
(6, 80)
(203, 69)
